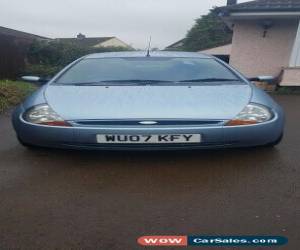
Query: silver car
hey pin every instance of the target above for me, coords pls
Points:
(165, 100)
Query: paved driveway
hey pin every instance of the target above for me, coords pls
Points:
(98, 200)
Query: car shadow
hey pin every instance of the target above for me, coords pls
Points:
(184, 160)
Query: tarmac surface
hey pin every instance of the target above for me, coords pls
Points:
(106, 200)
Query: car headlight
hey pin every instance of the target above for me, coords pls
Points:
(252, 114)
(44, 115)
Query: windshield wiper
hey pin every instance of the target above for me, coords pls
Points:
(136, 81)
(211, 80)
(114, 82)
(92, 83)
(144, 82)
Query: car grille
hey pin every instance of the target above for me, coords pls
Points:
(157, 122)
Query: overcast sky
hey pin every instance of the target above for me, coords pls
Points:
(133, 21)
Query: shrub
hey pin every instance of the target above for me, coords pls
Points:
(42, 70)
(46, 58)
(209, 31)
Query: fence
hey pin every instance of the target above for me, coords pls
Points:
(12, 56)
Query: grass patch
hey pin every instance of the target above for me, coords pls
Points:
(288, 91)
(13, 92)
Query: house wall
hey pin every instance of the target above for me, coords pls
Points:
(295, 57)
(254, 54)
(291, 77)
(114, 42)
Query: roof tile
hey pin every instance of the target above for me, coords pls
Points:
(264, 5)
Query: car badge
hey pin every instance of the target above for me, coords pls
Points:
(148, 122)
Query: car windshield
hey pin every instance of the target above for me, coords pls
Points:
(146, 70)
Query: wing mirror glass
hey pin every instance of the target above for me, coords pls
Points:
(267, 79)
(35, 79)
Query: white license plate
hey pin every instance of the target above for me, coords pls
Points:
(149, 139)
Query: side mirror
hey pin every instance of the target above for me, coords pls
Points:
(267, 79)
(34, 79)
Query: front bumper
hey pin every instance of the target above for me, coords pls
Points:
(85, 137)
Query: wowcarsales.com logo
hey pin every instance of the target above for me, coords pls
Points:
(220, 241)
(166, 240)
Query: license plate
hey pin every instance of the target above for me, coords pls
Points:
(149, 139)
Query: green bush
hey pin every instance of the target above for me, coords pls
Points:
(46, 58)
(42, 70)
(56, 53)
(209, 31)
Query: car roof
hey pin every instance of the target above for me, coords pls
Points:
(144, 53)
